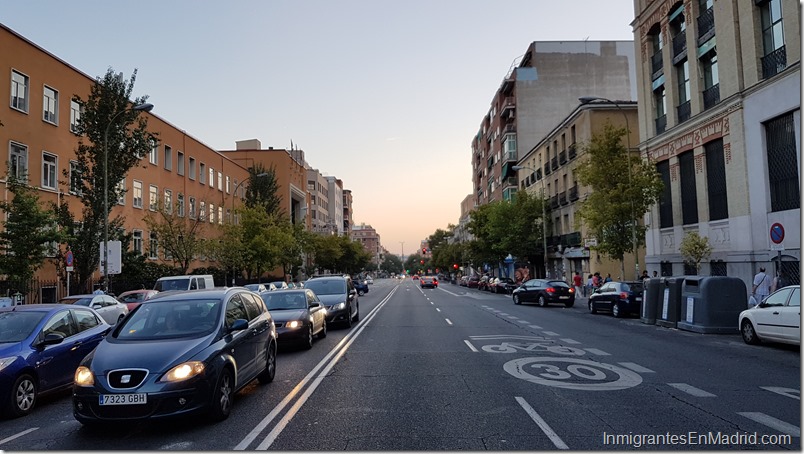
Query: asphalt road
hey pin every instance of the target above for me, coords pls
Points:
(457, 369)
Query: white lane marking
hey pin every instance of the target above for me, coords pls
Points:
(570, 341)
(505, 336)
(523, 321)
(336, 352)
(513, 317)
(787, 392)
(773, 423)
(535, 326)
(432, 303)
(471, 347)
(448, 321)
(595, 351)
(453, 294)
(15, 436)
(637, 368)
(691, 390)
(551, 333)
(551, 434)
(438, 310)
(502, 313)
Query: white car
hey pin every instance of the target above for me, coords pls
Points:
(369, 280)
(777, 318)
(110, 309)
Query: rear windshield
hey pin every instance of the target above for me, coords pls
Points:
(277, 301)
(161, 318)
(16, 326)
(172, 284)
(76, 301)
(557, 283)
(635, 287)
(326, 286)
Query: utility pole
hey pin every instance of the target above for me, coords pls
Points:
(403, 256)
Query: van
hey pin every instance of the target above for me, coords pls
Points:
(182, 283)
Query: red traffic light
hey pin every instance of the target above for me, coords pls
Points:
(455, 266)
(424, 250)
(422, 262)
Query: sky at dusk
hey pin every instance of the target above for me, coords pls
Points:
(385, 95)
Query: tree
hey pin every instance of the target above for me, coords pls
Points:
(128, 142)
(695, 249)
(30, 232)
(263, 191)
(354, 257)
(328, 252)
(179, 236)
(391, 264)
(616, 203)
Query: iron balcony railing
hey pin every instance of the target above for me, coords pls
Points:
(562, 198)
(554, 163)
(573, 193)
(656, 64)
(683, 111)
(774, 63)
(573, 151)
(562, 157)
(661, 124)
(711, 96)
(547, 169)
(679, 44)
(554, 202)
(706, 26)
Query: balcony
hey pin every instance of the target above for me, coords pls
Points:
(711, 96)
(538, 174)
(554, 202)
(706, 26)
(547, 169)
(554, 163)
(774, 63)
(573, 193)
(509, 104)
(562, 198)
(509, 129)
(562, 157)
(679, 47)
(683, 111)
(656, 65)
(571, 239)
(661, 124)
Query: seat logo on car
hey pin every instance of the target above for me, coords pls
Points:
(125, 379)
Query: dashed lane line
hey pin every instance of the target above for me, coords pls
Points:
(535, 326)
(551, 434)
(691, 390)
(595, 351)
(15, 436)
(471, 347)
(567, 341)
(448, 322)
(637, 368)
(551, 333)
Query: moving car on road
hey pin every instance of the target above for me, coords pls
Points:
(428, 282)
(777, 318)
(339, 296)
(543, 292)
(298, 315)
(178, 353)
(619, 298)
(109, 308)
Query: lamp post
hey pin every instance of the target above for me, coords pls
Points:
(587, 100)
(145, 107)
(544, 216)
(234, 196)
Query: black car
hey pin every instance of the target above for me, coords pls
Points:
(503, 285)
(339, 296)
(361, 285)
(176, 354)
(298, 315)
(544, 291)
(619, 298)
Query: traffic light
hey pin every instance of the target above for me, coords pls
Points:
(422, 262)
(455, 266)
(424, 250)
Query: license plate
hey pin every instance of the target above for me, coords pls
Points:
(123, 399)
(563, 297)
(639, 298)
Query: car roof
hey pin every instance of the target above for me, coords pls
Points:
(84, 295)
(36, 307)
(186, 295)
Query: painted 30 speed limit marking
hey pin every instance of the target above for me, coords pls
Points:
(572, 373)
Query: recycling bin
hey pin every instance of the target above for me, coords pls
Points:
(650, 300)
(711, 304)
(669, 309)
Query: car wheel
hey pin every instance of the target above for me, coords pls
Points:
(348, 319)
(23, 396)
(749, 333)
(542, 301)
(592, 308)
(360, 293)
(357, 314)
(516, 299)
(308, 340)
(222, 396)
(268, 374)
(323, 333)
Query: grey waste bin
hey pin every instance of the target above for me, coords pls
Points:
(650, 300)
(711, 304)
(669, 301)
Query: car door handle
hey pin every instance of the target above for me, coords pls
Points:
(775, 312)
(76, 346)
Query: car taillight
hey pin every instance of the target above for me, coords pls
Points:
(623, 295)
(550, 290)
(571, 290)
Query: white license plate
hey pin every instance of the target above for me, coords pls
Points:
(639, 298)
(123, 399)
(563, 297)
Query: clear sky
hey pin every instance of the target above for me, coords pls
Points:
(384, 94)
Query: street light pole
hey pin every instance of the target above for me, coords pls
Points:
(587, 100)
(146, 107)
(544, 216)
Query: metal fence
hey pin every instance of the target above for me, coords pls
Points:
(42, 291)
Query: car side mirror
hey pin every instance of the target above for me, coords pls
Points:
(96, 306)
(315, 304)
(239, 325)
(597, 290)
(52, 339)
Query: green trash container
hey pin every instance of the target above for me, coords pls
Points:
(650, 300)
(670, 305)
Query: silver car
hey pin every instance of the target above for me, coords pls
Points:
(106, 306)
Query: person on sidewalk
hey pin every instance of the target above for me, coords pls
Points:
(762, 283)
(577, 281)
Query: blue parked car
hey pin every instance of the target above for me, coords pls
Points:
(41, 345)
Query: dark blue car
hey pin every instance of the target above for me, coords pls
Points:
(41, 345)
(178, 353)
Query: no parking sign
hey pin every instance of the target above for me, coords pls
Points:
(777, 237)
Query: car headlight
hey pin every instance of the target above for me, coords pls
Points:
(183, 371)
(293, 324)
(5, 362)
(84, 376)
(338, 306)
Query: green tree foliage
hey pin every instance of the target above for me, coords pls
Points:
(391, 264)
(128, 142)
(179, 236)
(328, 252)
(263, 191)
(614, 207)
(355, 257)
(695, 249)
(30, 232)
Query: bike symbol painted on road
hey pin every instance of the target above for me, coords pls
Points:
(572, 373)
(513, 347)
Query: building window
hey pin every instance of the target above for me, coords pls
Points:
(75, 116)
(666, 269)
(716, 180)
(49, 166)
(180, 204)
(168, 158)
(211, 213)
(220, 181)
(220, 215)
(19, 91)
(660, 102)
(121, 189)
(656, 60)
(18, 161)
(211, 177)
(180, 163)
(153, 198)
(50, 105)
(689, 269)
(202, 174)
(689, 196)
(153, 246)
(717, 268)
(75, 179)
(228, 184)
(683, 73)
(665, 200)
(202, 211)
(153, 157)
(780, 137)
(137, 190)
(192, 208)
(192, 168)
(168, 201)
(137, 241)
(774, 57)
(711, 92)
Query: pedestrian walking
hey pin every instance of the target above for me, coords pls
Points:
(762, 284)
(577, 281)
(589, 284)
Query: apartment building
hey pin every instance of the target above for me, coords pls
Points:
(335, 190)
(720, 115)
(318, 188)
(369, 238)
(549, 172)
(348, 220)
(540, 89)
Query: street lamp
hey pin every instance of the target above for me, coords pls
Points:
(587, 100)
(544, 216)
(145, 107)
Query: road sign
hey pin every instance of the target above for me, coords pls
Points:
(114, 257)
(777, 237)
(68, 258)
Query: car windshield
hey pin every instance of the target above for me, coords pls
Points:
(172, 284)
(326, 286)
(159, 319)
(277, 301)
(16, 326)
(557, 283)
(80, 301)
(133, 297)
(253, 287)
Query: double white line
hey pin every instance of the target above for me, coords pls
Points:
(314, 378)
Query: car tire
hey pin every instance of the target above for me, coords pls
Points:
(516, 299)
(616, 311)
(592, 308)
(749, 332)
(542, 301)
(308, 340)
(348, 320)
(221, 404)
(323, 333)
(268, 374)
(356, 318)
(22, 397)
(360, 293)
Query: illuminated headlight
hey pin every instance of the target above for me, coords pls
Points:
(294, 324)
(184, 371)
(84, 377)
(5, 362)
(338, 306)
